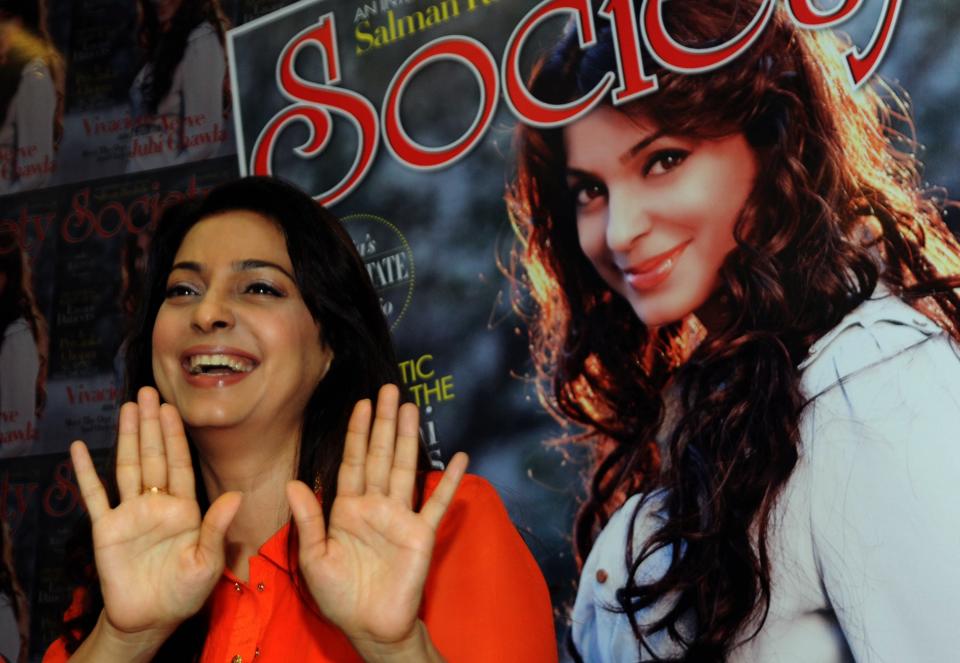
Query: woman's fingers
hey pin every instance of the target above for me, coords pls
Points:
(382, 440)
(153, 459)
(403, 475)
(214, 527)
(128, 452)
(437, 505)
(350, 479)
(308, 515)
(180, 477)
(94, 496)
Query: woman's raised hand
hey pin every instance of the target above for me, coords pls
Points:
(366, 569)
(156, 559)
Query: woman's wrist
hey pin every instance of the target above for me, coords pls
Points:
(106, 643)
(416, 647)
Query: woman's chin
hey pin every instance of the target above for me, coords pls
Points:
(195, 419)
(659, 314)
(669, 305)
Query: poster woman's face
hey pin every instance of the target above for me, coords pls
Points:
(166, 10)
(233, 342)
(655, 212)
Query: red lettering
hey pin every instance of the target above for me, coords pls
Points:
(357, 109)
(80, 221)
(524, 105)
(862, 65)
(807, 15)
(63, 495)
(122, 221)
(481, 63)
(634, 82)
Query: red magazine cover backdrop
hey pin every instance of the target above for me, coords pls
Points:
(77, 212)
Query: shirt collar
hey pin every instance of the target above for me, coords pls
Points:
(881, 306)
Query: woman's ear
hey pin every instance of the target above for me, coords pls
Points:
(329, 362)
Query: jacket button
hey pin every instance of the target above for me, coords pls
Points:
(601, 576)
(237, 659)
(237, 588)
(261, 587)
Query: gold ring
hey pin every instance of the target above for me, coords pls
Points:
(155, 490)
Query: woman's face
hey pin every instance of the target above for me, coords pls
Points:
(166, 10)
(656, 212)
(233, 342)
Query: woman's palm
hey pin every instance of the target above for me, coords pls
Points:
(366, 570)
(147, 549)
(370, 576)
(156, 558)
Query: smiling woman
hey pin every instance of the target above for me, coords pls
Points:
(744, 297)
(232, 271)
(258, 332)
(656, 220)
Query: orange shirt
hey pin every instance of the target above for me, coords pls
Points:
(485, 598)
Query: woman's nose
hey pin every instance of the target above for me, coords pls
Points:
(213, 312)
(628, 219)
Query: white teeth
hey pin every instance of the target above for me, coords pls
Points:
(665, 266)
(199, 362)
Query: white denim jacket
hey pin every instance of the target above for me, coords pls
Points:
(865, 543)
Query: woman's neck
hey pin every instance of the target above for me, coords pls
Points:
(260, 470)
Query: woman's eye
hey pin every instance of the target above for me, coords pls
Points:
(263, 289)
(664, 161)
(180, 290)
(585, 193)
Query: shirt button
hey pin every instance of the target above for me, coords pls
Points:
(238, 589)
(261, 587)
(237, 659)
(601, 576)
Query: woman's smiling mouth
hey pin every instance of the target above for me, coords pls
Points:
(218, 363)
(650, 273)
(216, 367)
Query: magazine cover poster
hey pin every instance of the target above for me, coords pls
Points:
(369, 107)
(430, 221)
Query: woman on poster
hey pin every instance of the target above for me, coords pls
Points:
(32, 86)
(14, 609)
(742, 294)
(23, 351)
(260, 330)
(180, 96)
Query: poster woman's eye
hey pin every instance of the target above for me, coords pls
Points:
(664, 161)
(586, 192)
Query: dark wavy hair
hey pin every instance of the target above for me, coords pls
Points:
(337, 291)
(163, 49)
(836, 207)
(17, 300)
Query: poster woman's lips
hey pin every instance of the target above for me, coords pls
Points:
(652, 272)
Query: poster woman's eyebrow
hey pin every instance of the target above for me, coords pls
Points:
(640, 145)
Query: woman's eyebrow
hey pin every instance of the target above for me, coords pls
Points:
(188, 265)
(253, 263)
(641, 145)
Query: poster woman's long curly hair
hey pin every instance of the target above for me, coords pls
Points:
(836, 207)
